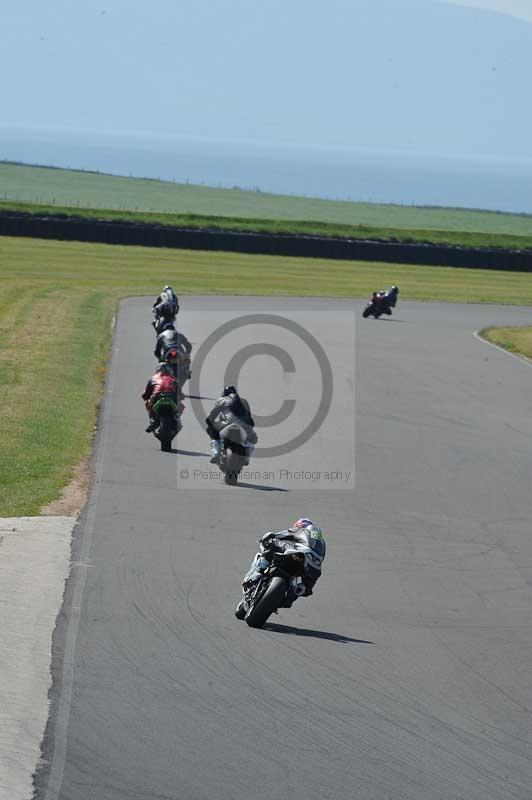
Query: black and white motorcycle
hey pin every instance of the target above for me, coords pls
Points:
(275, 579)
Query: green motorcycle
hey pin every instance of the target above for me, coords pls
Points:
(168, 414)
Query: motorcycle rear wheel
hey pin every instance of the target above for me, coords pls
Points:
(166, 434)
(235, 462)
(268, 603)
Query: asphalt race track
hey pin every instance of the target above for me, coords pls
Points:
(408, 674)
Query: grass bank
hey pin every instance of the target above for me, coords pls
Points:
(57, 300)
(516, 340)
(175, 203)
(290, 227)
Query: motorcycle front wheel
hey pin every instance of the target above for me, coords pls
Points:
(268, 603)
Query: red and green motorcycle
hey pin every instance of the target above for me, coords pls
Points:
(168, 413)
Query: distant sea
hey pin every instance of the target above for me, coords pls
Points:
(356, 174)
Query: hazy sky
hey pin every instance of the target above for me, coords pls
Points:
(522, 9)
(433, 76)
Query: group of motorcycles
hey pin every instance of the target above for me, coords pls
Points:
(285, 561)
(277, 575)
(172, 350)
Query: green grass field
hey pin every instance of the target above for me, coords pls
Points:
(66, 190)
(515, 340)
(57, 300)
(330, 229)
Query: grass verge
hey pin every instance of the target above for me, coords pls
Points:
(76, 192)
(57, 300)
(516, 340)
(459, 238)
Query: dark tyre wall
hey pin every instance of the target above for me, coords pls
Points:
(131, 233)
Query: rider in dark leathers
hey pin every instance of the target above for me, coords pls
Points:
(168, 337)
(304, 531)
(391, 295)
(229, 407)
(166, 306)
(386, 298)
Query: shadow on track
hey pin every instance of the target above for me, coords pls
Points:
(199, 397)
(390, 319)
(261, 488)
(190, 453)
(333, 637)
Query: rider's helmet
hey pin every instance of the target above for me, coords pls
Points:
(168, 289)
(303, 523)
(228, 390)
(165, 367)
(166, 310)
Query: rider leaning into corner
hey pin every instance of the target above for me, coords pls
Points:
(388, 295)
(303, 531)
(230, 407)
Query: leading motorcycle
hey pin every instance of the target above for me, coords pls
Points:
(377, 306)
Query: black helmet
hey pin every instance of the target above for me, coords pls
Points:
(228, 390)
(166, 309)
(164, 366)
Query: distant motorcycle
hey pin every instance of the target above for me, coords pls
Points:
(382, 303)
(169, 414)
(236, 450)
(378, 305)
(282, 577)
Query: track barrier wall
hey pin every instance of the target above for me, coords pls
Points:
(148, 235)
